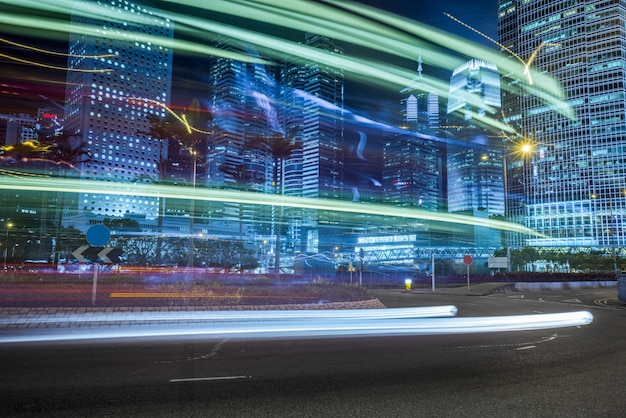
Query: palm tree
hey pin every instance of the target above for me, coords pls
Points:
(191, 136)
(161, 129)
(279, 147)
(66, 156)
(187, 130)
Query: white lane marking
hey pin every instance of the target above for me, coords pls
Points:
(524, 344)
(572, 300)
(208, 379)
(203, 357)
(527, 347)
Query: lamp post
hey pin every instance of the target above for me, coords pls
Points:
(192, 209)
(506, 214)
(6, 242)
(611, 235)
(612, 238)
(521, 150)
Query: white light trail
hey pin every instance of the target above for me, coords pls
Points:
(310, 327)
(218, 316)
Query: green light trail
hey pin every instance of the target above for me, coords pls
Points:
(252, 198)
(347, 22)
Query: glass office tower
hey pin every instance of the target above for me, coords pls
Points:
(475, 178)
(119, 72)
(569, 185)
(474, 162)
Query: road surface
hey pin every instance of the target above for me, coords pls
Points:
(574, 372)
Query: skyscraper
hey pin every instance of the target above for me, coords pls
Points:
(119, 71)
(420, 107)
(411, 160)
(570, 185)
(242, 97)
(322, 98)
(474, 158)
(323, 124)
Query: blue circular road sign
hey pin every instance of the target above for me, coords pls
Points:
(98, 235)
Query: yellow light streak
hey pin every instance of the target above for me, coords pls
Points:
(49, 52)
(182, 119)
(63, 27)
(186, 123)
(485, 36)
(52, 67)
(31, 146)
(527, 64)
(531, 59)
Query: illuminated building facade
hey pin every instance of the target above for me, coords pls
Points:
(474, 158)
(411, 160)
(322, 126)
(322, 133)
(16, 129)
(570, 186)
(233, 86)
(117, 75)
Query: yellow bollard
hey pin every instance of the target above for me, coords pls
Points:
(407, 284)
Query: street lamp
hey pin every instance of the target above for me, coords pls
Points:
(521, 150)
(612, 235)
(192, 207)
(6, 242)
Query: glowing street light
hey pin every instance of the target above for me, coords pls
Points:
(520, 150)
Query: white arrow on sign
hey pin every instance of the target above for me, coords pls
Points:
(78, 253)
(102, 255)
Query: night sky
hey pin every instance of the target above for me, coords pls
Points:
(21, 85)
(479, 14)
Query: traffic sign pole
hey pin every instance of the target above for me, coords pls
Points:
(468, 260)
(432, 270)
(95, 284)
(97, 235)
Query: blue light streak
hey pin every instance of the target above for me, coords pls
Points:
(310, 324)
(218, 316)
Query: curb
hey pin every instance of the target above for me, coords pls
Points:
(361, 304)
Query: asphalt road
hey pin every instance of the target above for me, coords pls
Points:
(573, 372)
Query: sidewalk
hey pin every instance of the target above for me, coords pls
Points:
(479, 289)
(484, 289)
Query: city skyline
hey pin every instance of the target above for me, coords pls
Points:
(262, 50)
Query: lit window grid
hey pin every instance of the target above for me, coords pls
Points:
(585, 159)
